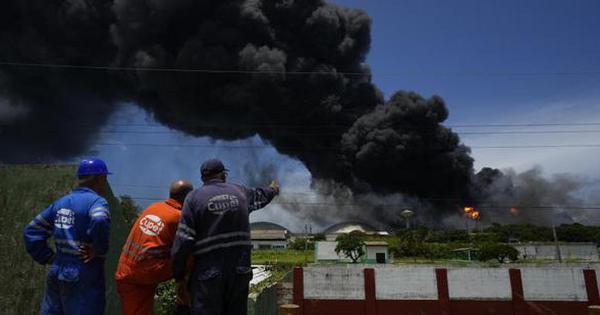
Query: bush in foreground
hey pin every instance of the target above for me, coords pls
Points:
(500, 252)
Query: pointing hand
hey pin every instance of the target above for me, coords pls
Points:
(275, 185)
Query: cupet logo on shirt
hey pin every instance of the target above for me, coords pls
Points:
(151, 225)
(220, 204)
(65, 219)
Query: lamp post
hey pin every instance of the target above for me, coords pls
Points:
(407, 214)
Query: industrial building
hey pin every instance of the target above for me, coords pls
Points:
(346, 227)
(267, 235)
(376, 252)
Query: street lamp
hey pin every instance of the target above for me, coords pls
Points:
(407, 214)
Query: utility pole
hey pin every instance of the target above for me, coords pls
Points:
(558, 255)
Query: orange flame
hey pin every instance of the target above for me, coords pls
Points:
(469, 209)
(475, 215)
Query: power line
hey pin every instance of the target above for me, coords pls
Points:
(251, 146)
(482, 125)
(494, 125)
(515, 132)
(323, 204)
(271, 72)
(520, 132)
(337, 126)
(175, 70)
(592, 145)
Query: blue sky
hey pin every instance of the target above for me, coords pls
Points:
(492, 61)
(460, 49)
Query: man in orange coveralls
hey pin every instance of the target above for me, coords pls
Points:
(145, 260)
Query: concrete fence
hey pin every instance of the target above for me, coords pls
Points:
(426, 290)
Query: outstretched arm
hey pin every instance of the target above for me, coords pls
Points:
(36, 236)
(260, 197)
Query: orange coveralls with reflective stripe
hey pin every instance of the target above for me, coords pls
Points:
(145, 260)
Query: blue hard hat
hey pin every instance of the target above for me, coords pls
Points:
(92, 167)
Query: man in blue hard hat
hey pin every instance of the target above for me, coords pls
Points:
(80, 225)
(215, 229)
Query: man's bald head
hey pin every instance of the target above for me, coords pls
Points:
(180, 189)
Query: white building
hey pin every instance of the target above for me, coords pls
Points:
(579, 251)
(375, 252)
(266, 235)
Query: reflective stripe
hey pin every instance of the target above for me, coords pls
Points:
(154, 251)
(209, 239)
(223, 245)
(71, 242)
(42, 220)
(133, 244)
(99, 211)
(183, 235)
(39, 227)
(68, 251)
(100, 214)
(132, 254)
(151, 250)
(259, 200)
(186, 229)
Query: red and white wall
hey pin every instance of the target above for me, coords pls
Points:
(427, 290)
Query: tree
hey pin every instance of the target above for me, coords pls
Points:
(351, 244)
(413, 243)
(319, 237)
(301, 243)
(497, 251)
(129, 209)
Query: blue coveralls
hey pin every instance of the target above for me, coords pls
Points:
(79, 218)
(215, 227)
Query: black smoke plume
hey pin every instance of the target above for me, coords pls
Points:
(290, 71)
(529, 197)
(49, 113)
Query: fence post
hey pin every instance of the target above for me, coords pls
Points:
(299, 289)
(441, 275)
(594, 310)
(591, 286)
(370, 297)
(288, 309)
(516, 286)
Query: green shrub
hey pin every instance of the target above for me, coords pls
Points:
(165, 300)
(301, 243)
(500, 252)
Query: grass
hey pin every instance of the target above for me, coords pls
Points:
(25, 190)
(285, 257)
(282, 262)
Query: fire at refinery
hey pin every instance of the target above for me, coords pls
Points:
(472, 213)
